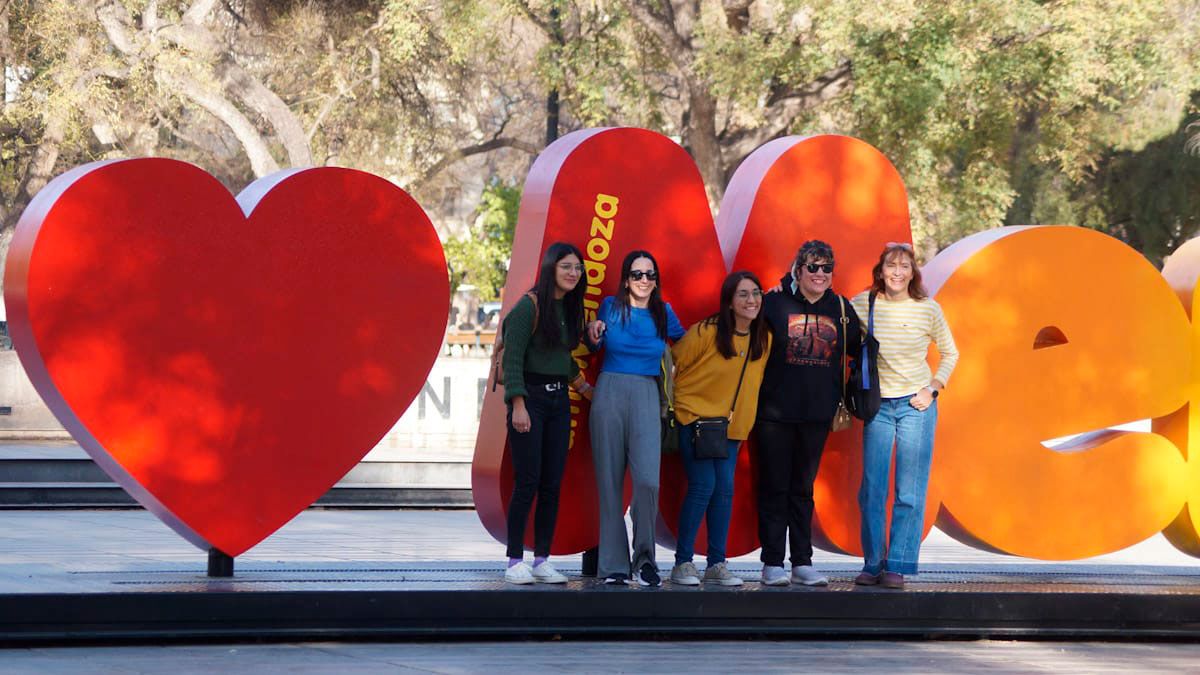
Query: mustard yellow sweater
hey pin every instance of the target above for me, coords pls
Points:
(705, 380)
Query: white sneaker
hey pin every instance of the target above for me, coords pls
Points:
(807, 575)
(519, 574)
(546, 574)
(774, 576)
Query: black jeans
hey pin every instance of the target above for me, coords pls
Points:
(789, 455)
(539, 457)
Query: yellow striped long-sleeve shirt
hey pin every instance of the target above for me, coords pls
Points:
(904, 329)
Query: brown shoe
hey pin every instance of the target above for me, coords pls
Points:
(866, 579)
(892, 580)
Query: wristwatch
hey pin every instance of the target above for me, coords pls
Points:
(932, 390)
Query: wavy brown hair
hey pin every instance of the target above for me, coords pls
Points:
(916, 287)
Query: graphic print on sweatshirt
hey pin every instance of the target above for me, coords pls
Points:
(812, 340)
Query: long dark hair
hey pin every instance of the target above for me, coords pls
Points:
(658, 308)
(547, 330)
(916, 287)
(725, 322)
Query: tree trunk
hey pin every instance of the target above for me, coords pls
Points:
(700, 136)
(5, 53)
(257, 151)
(552, 108)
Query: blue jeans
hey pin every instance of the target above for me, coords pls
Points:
(710, 491)
(912, 432)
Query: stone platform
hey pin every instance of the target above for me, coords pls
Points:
(72, 576)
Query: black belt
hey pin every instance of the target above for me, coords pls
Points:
(545, 382)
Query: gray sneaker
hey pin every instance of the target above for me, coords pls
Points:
(774, 576)
(685, 574)
(805, 574)
(720, 574)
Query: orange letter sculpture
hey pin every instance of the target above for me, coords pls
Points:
(1182, 272)
(1061, 331)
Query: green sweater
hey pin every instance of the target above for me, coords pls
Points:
(524, 354)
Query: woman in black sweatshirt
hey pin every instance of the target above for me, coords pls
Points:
(800, 391)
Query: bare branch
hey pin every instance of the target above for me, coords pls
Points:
(737, 14)
(199, 11)
(250, 91)
(463, 153)
(331, 101)
(1024, 39)
(117, 24)
(664, 29)
(150, 17)
(261, 160)
(534, 18)
(822, 88)
(233, 12)
(1193, 144)
(192, 37)
(784, 107)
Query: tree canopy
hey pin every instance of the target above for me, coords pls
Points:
(994, 111)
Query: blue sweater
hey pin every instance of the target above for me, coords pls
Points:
(634, 347)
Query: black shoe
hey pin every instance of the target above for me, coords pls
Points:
(648, 576)
(591, 562)
(617, 579)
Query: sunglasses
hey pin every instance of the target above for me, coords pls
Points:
(898, 244)
(812, 268)
(637, 275)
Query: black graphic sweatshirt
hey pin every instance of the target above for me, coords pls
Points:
(803, 379)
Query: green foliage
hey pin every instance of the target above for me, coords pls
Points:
(994, 111)
(1150, 198)
(481, 257)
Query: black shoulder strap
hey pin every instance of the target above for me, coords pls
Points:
(745, 362)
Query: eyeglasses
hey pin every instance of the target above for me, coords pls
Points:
(812, 268)
(898, 244)
(637, 275)
(568, 267)
(746, 295)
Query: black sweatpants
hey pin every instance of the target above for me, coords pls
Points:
(789, 455)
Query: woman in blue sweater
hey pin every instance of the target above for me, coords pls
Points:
(632, 327)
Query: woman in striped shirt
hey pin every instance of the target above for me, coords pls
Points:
(905, 320)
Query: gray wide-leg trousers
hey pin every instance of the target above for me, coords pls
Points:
(625, 429)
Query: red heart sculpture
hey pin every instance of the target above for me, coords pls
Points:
(225, 365)
(834, 188)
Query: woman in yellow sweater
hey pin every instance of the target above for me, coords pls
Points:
(719, 358)
(901, 315)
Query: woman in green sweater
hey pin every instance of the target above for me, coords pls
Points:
(539, 334)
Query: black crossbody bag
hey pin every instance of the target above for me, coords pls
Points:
(711, 439)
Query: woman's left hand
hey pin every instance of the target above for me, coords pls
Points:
(922, 399)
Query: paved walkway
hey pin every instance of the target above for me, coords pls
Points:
(987, 657)
(130, 550)
(72, 540)
(44, 551)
